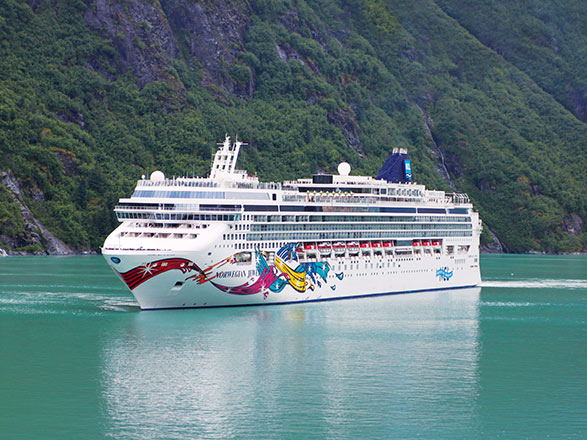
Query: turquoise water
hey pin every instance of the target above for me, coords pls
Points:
(78, 360)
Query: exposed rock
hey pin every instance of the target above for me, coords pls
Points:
(484, 185)
(37, 194)
(573, 224)
(411, 54)
(71, 117)
(291, 21)
(34, 4)
(437, 152)
(453, 165)
(69, 161)
(535, 252)
(36, 233)
(578, 99)
(534, 190)
(141, 34)
(280, 53)
(214, 33)
(286, 52)
(345, 121)
(319, 38)
(495, 246)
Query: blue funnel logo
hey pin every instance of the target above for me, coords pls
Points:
(408, 169)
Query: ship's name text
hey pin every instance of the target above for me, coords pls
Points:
(236, 273)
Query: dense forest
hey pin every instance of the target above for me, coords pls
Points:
(489, 97)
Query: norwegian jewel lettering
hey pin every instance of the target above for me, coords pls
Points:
(236, 274)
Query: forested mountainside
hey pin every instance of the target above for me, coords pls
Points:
(489, 98)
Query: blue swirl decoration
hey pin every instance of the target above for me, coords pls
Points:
(444, 273)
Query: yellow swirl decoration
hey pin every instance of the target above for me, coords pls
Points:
(296, 279)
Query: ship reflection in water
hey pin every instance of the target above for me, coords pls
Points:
(344, 368)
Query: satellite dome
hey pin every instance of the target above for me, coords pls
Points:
(344, 168)
(157, 176)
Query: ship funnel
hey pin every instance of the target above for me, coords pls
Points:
(397, 168)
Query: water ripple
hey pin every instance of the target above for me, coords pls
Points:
(534, 283)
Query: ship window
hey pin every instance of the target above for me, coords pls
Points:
(432, 210)
(260, 208)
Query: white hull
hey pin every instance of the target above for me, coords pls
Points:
(230, 240)
(187, 287)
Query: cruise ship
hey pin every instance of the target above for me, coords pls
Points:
(229, 239)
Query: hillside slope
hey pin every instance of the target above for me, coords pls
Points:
(93, 94)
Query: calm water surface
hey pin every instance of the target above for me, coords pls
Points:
(508, 360)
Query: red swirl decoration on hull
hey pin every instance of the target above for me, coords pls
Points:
(265, 280)
(135, 277)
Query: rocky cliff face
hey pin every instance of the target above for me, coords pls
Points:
(140, 33)
(36, 239)
(97, 92)
(213, 33)
(150, 35)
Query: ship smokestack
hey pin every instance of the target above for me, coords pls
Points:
(397, 168)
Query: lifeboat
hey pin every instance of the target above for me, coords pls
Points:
(310, 249)
(388, 246)
(300, 251)
(436, 243)
(377, 248)
(339, 248)
(353, 248)
(365, 247)
(416, 243)
(426, 243)
(324, 249)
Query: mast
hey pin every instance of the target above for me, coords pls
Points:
(225, 158)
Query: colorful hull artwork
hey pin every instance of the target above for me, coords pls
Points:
(286, 270)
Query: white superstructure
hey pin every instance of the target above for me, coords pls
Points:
(231, 240)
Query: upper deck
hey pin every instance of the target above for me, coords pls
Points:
(348, 191)
(229, 189)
